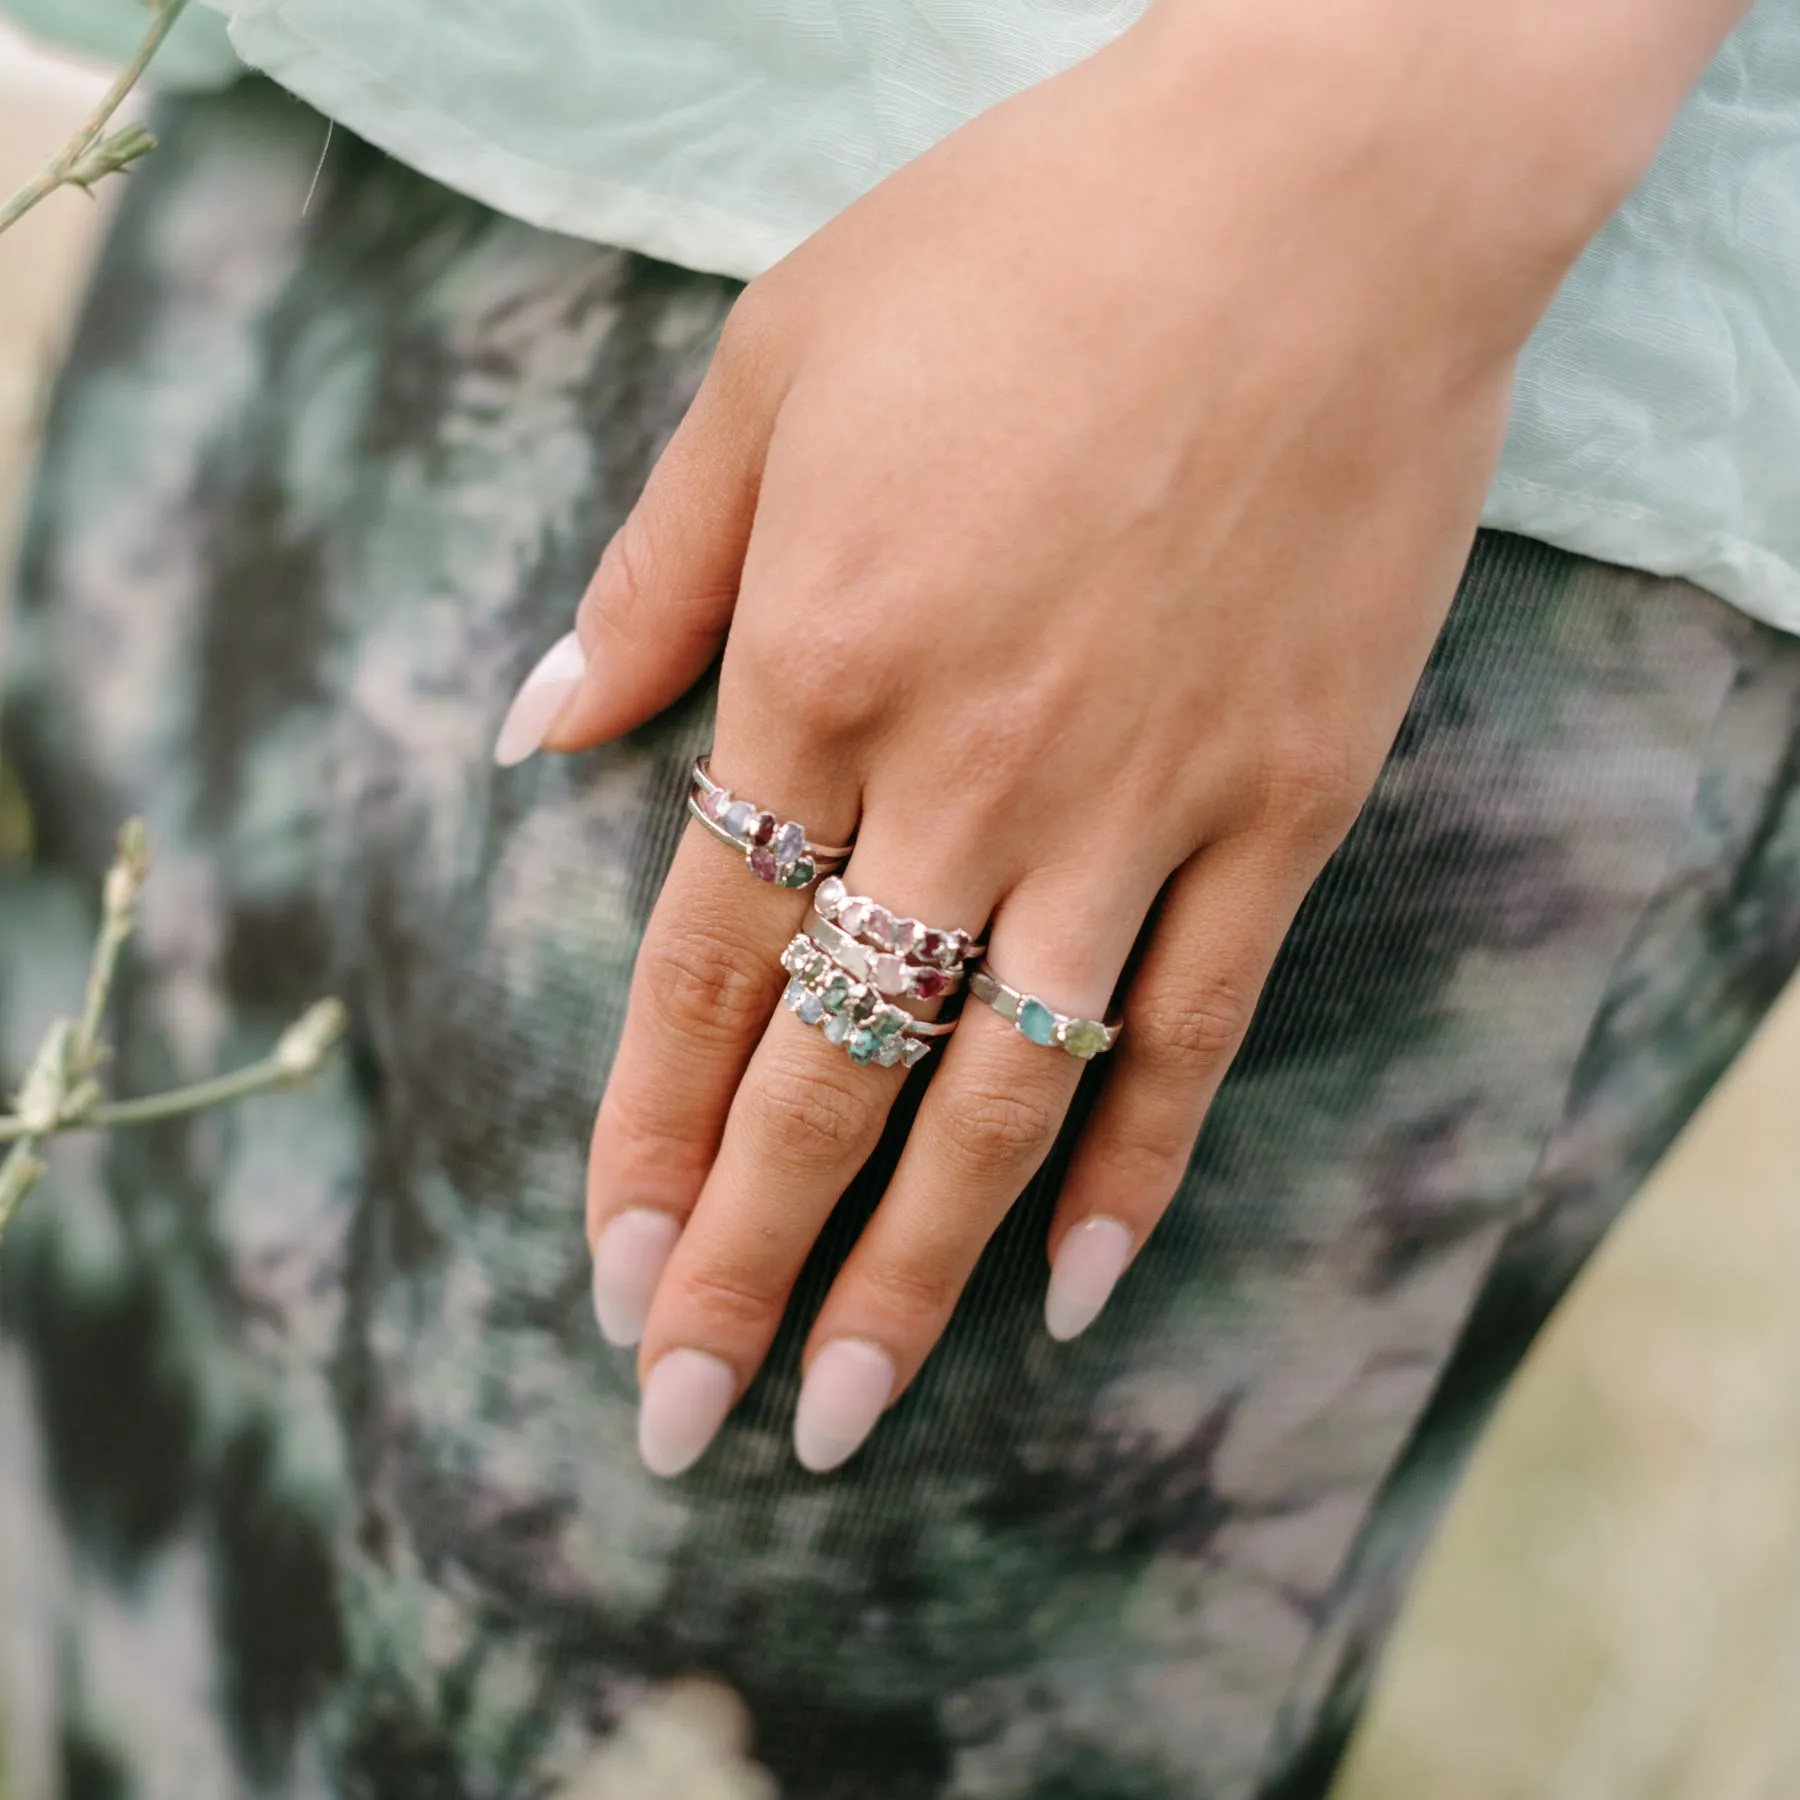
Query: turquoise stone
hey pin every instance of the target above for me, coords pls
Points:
(836, 992)
(1036, 1021)
(863, 1045)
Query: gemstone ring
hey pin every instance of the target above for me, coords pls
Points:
(885, 970)
(852, 1013)
(886, 933)
(773, 850)
(1036, 1022)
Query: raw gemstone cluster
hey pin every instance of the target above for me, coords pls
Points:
(849, 1012)
(775, 851)
(1084, 1038)
(931, 953)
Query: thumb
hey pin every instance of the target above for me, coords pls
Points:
(657, 608)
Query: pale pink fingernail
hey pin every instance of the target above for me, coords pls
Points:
(1087, 1268)
(542, 695)
(845, 1390)
(629, 1258)
(685, 1402)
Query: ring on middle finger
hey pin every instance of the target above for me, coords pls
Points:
(851, 1012)
(900, 956)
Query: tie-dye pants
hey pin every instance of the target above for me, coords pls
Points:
(316, 1478)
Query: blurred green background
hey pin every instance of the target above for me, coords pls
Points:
(1613, 1610)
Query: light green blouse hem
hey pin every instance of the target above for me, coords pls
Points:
(672, 229)
(1750, 576)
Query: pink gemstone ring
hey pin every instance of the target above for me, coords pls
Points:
(774, 850)
(889, 973)
(931, 955)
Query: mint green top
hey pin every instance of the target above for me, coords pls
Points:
(1657, 415)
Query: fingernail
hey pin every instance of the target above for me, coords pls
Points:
(843, 1395)
(1087, 1268)
(685, 1402)
(540, 698)
(629, 1258)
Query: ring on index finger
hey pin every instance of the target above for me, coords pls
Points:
(774, 850)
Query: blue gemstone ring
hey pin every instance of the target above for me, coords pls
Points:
(776, 852)
(1033, 1020)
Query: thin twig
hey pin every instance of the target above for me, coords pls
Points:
(118, 916)
(84, 159)
(296, 1058)
(59, 1092)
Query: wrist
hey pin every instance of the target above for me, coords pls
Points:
(1519, 129)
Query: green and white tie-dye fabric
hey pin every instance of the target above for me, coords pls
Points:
(316, 1479)
(1657, 413)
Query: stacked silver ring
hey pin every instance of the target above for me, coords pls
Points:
(852, 1012)
(855, 959)
(775, 850)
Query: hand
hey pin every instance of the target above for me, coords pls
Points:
(1082, 505)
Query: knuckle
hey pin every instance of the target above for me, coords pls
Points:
(1191, 1031)
(1311, 787)
(728, 1298)
(811, 1118)
(747, 339)
(830, 675)
(1000, 1128)
(626, 577)
(705, 985)
(1145, 1173)
(910, 1294)
(648, 1146)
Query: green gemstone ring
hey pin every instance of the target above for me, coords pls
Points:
(1036, 1022)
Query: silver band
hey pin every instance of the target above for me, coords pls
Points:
(852, 1013)
(889, 973)
(775, 851)
(1038, 1024)
(871, 923)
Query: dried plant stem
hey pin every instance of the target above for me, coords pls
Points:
(61, 1091)
(88, 155)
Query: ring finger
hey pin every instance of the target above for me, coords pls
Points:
(985, 1128)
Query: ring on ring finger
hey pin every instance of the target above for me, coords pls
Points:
(1038, 1023)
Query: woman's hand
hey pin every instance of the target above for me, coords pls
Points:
(1082, 506)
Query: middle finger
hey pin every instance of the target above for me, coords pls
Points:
(803, 1122)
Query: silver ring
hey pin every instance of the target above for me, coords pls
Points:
(773, 850)
(871, 923)
(852, 1013)
(1038, 1024)
(884, 970)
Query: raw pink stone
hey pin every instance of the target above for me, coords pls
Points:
(762, 863)
(880, 927)
(853, 915)
(888, 973)
(931, 984)
(716, 803)
(907, 933)
(931, 945)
